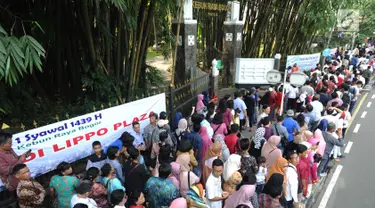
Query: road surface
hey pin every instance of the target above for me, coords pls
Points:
(351, 184)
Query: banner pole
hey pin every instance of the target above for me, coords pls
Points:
(283, 93)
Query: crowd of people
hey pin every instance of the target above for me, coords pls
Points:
(203, 160)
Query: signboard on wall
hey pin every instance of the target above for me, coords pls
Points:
(253, 70)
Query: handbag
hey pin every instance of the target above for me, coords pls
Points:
(284, 141)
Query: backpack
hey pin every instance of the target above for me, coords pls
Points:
(346, 97)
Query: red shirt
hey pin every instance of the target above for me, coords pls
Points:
(214, 98)
(340, 80)
(231, 141)
(8, 159)
(279, 95)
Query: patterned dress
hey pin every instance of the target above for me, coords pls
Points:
(99, 193)
(160, 192)
(64, 188)
(265, 201)
(30, 194)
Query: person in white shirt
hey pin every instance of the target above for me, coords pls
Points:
(292, 97)
(261, 175)
(266, 112)
(118, 199)
(214, 193)
(292, 184)
(318, 107)
(240, 104)
(82, 196)
(346, 118)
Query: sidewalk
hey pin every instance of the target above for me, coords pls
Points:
(163, 65)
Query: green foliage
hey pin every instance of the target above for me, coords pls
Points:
(18, 56)
(154, 76)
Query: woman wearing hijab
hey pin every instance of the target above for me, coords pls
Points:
(214, 152)
(184, 181)
(199, 107)
(185, 155)
(226, 113)
(257, 143)
(270, 150)
(272, 192)
(224, 149)
(206, 98)
(206, 140)
(243, 195)
(177, 119)
(279, 166)
(182, 127)
(318, 137)
(179, 203)
(218, 125)
(175, 175)
(231, 174)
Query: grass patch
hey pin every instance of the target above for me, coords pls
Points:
(152, 53)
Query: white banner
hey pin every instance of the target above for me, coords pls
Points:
(72, 139)
(304, 62)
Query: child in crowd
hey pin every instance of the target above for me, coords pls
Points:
(82, 196)
(113, 153)
(236, 117)
(136, 199)
(261, 175)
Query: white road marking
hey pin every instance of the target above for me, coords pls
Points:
(373, 96)
(348, 147)
(330, 187)
(356, 128)
(369, 104)
(364, 114)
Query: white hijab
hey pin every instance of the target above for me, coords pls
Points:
(232, 165)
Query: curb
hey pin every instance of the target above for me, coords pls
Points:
(317, 190)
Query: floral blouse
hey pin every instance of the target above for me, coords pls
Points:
(100, 194)
(30, 194)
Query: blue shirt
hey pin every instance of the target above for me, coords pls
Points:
(138, 139)
(113, 184)
(118, 169)
(256, 96)
(196, 141)
(310, 118)
(290, 124)
(117, 143)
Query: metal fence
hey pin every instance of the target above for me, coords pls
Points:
(180, 98)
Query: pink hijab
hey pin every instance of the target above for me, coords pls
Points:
(179, 203)
(242, 196)
(270, 150)
(318, 137)
(175, 176)
(206, 141)
(200, 104)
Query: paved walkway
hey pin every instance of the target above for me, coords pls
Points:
(163, 65)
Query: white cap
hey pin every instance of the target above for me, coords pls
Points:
(162, 122)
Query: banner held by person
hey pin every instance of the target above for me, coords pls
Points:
(304, 62)
(71, 140)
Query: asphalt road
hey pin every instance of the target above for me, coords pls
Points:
(351, 184)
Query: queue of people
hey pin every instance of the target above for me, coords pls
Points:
(203, 160)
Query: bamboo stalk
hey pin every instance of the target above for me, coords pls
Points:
(176, 45)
